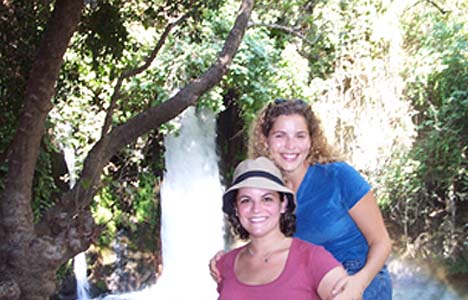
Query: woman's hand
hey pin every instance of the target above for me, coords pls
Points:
(214, 272)
(349, 287)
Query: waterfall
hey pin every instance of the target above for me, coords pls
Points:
(79, 261)
(80, 270)
(191, 216)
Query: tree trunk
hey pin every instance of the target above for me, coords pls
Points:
(31, 254)
(29, 262)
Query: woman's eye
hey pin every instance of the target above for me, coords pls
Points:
(278, 135)
(268, 199)
(301, 136)
(244, 200)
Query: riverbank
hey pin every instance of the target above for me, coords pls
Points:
(418, 278)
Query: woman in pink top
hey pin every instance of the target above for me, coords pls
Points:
(272, 265)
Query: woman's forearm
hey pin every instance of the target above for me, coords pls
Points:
(376, 258)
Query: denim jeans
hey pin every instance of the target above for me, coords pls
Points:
(380, 287)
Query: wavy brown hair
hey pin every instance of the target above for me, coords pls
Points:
(320, 150)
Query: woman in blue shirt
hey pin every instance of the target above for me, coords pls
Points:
(335, 205)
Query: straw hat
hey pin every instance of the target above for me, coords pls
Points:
(257, 173)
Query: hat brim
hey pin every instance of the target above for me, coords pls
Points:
(256, 182)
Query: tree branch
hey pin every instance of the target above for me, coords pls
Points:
(440, 9)
(81, 195)
(155, 116)
(130, 73)
(286, 29)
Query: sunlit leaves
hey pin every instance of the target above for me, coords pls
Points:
(436, 76)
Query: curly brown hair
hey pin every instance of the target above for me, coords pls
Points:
(287, 222)
(320, 150)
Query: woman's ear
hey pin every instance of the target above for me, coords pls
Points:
(264, 142)
(284, 204)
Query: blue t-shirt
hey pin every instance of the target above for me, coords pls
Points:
(326, 194)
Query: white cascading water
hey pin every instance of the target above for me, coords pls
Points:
(80, 270)
(191, 216)
(79, 261)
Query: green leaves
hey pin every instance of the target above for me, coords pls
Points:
(105, 33)
(431, 182)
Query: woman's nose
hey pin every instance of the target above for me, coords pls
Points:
(256, 206)
(289, 143)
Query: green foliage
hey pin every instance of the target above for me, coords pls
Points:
(105, 33)
(105, 214)
(129, 199)
(425, 189)
(114, 37)
(22, 23)
(253, 73)
(65, 270)
(431, 183)
(300, 23)
(145, 200)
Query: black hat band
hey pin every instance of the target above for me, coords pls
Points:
(263, 174)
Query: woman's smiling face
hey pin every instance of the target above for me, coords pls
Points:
(259, 210)
(289, 143)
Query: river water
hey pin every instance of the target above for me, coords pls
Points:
(414, 281)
